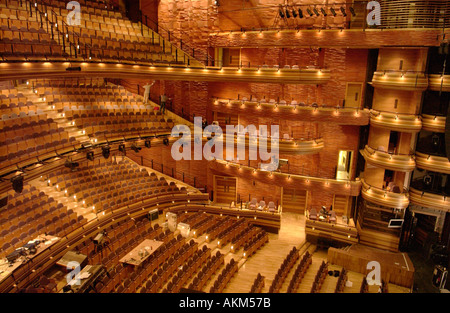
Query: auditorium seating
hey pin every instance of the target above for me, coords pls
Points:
(224, 277)
(109, 185)
(211, 266)
(41, 31)
(258, 284)
(256, 242)
(283, 270)
(320, 277)
(340, 285)
(32, 213)
(300, 272)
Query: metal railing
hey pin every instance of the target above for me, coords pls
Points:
(179, 42)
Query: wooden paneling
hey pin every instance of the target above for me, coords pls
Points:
(225, 189)
(341, 204)
(294, 200)
(27, 70)
(353, 95)
(396, 268)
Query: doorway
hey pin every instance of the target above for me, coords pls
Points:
(343, 169)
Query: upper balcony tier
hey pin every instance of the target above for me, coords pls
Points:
(409, 123)
(432, 163)
(293, 111)
(393, 162)
(384, 197)
(44, 69)
(411, 81)
(334, 186)
(429, 200)
(439, 82)
(291, 145)
(433, 123)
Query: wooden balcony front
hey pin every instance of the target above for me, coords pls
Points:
(410, 81)
(408, 123)
(429, 200)
(293, 111)
(384, 197)
(439, 82)
(433, 123)
(433, 163)
(393, 162)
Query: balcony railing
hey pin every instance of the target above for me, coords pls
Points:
(396, 121)
(429, 200)
(433, 163)
(384, 197)
(278, 178)
(390, 161)
(439, 82)
(400, 80)
(433, 123)
(294, 110)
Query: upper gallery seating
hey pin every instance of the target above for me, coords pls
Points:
(101, 109)
(102, 35)
(31, 213)
(22, 36)
(27, 132)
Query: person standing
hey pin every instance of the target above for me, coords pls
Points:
(163, 103)
(147, 91)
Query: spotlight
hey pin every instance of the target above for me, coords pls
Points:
(122, 148)
(105, 151)
(90, 155)
(71, 165)
(166, 141)
(323, 11)
(300, 13)
(309, 12)
(148, 143)
(343, 11)
(352, 11)
(135, 148)
(316, 12)
(333, 12)
(17, 183)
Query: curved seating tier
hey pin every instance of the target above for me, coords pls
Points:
(31, 213)
(109, 185)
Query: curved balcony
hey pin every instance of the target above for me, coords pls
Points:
(408, 123)
(293, 146)
(433, 123)
(429, 200)
(340, 187)
(293, 111)
(411, 81)
(433, 163)
(29, 70)
(393, 162)
(383, 197)
(439, 82)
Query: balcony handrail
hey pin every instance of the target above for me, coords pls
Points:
(290, 171)
(204, 58)
(278, 103)
(374, 111)
(410, 154)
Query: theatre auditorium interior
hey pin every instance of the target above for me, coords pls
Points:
(117, 174)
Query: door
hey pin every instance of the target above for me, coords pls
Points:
(353, 95)
(225, 189)
(294, 200)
